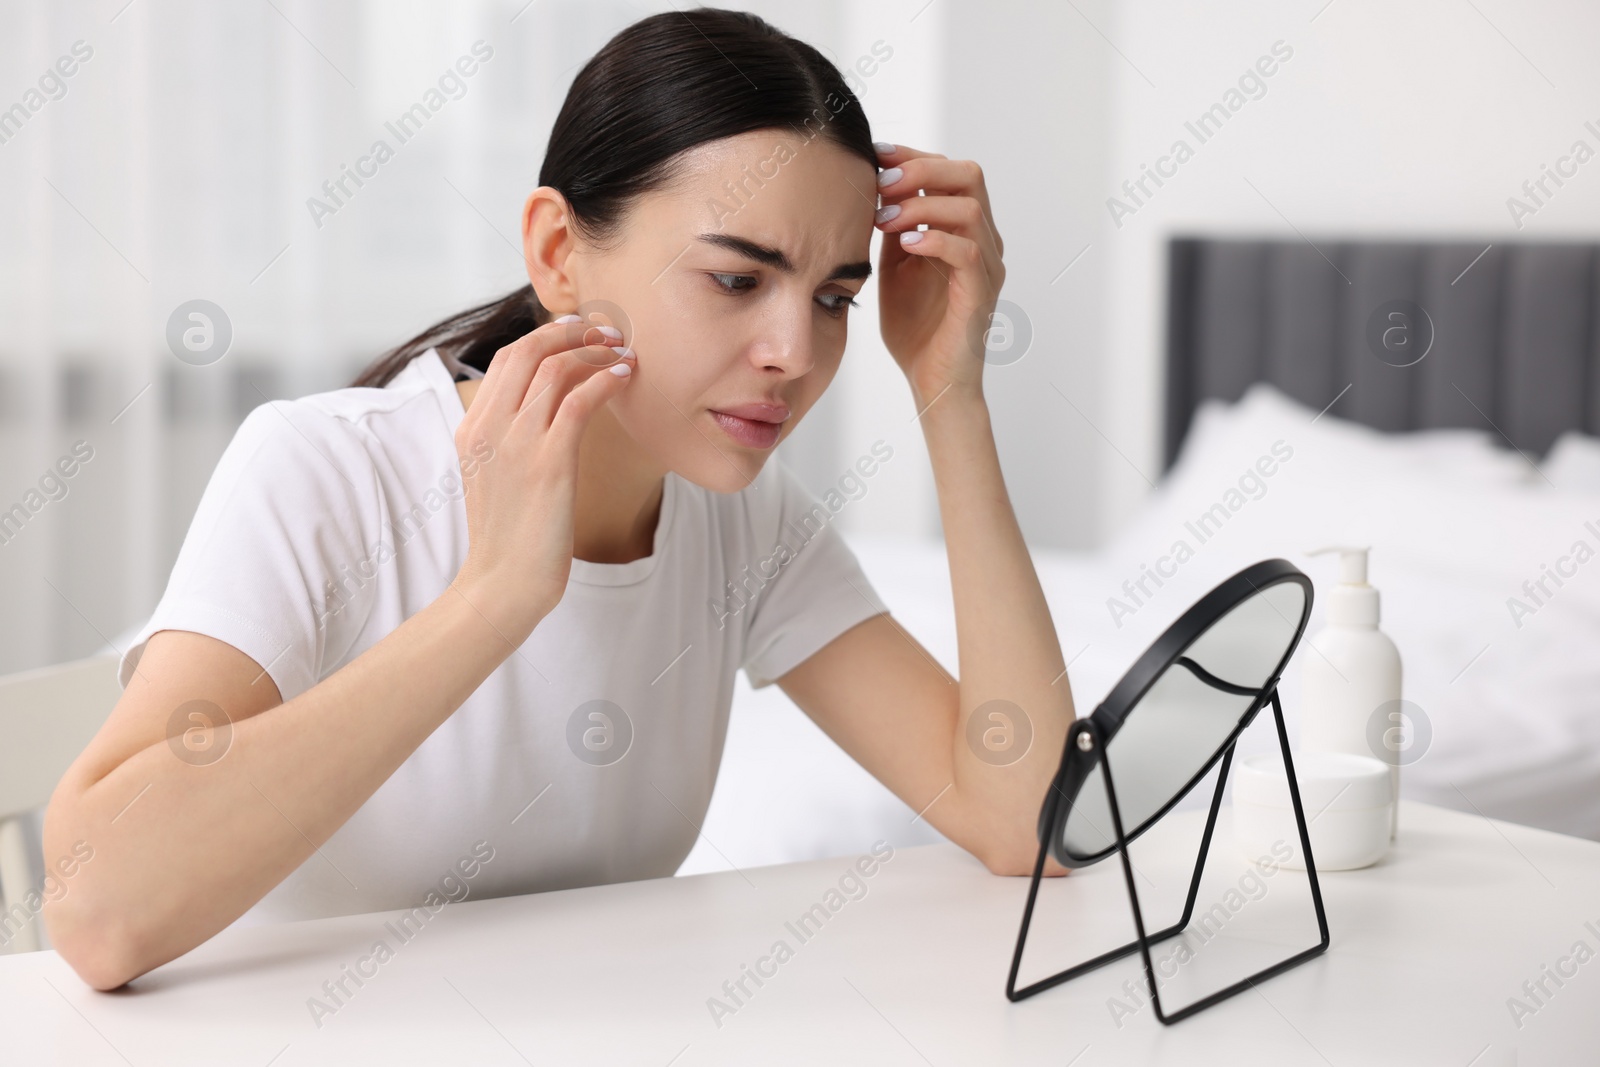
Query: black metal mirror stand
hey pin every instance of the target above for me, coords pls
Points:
(1143, 942)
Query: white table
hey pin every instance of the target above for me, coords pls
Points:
(1427, 948)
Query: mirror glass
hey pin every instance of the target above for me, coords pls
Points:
(1172, 733)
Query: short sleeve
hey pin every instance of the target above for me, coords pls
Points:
(267, 562)
(813, 587)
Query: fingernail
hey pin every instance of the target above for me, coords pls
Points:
(621, 370)
(889, 177)
(910, 237)
(622, 351)
(568, 318)
(883, 147)
(611, 332)
(886, 213)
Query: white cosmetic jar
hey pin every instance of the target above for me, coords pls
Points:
(1346, 799)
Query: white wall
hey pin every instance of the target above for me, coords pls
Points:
(1419, 118)
(1029, 98)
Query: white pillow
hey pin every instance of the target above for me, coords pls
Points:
(1573, 463)
(1475, 455)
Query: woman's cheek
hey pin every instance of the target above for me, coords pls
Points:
(645, 412)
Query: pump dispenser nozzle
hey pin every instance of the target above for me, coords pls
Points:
(1352, 602)
(1352, 562)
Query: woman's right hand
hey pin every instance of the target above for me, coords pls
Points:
(518, 448)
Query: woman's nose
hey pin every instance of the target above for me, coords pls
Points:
(788, 346)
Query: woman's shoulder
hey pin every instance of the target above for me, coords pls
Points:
(421, 396)
(343, 434)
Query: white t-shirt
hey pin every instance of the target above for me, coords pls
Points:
(331, 519)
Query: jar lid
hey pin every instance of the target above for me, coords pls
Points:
(1336, 781)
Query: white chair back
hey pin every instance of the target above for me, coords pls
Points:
(47, 717)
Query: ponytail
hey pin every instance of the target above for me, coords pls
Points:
(472, 336)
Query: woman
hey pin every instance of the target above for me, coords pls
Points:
(473, 622)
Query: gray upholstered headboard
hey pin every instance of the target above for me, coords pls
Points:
(1515, 332)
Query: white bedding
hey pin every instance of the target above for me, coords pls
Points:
(1457, 525)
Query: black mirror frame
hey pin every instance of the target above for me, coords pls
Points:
(1164, 653)
(1085, 748)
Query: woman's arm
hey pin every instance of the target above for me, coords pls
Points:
(874, 689)
(1008, 648)
(180, 850)
(878, 693)
(183, 849)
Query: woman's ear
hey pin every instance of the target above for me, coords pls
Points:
(548, 243)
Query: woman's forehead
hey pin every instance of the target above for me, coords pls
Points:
(810, 199)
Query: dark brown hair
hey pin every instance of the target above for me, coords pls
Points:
(663, 85)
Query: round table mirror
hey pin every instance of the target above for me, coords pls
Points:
(1178, 709)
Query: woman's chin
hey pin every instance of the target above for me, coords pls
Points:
(729, 472)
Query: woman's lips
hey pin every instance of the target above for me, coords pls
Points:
(752, 433)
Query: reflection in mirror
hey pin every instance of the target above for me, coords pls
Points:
(1186, 717)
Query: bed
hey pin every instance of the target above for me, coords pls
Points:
(1464, 453)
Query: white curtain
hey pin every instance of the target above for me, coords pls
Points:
(175, 163)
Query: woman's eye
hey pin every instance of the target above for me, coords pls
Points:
(728, 283)
(725, 287)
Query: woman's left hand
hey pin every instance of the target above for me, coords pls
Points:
(936, 295)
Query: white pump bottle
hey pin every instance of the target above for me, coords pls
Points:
(1351, 672)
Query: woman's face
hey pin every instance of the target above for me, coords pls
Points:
(733, 287)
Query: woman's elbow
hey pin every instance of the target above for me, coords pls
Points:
(1008, 863)
(1016, 857)
(118, 913)
(96, 945)
(91, 932)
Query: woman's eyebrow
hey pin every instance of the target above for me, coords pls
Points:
(775, 257)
